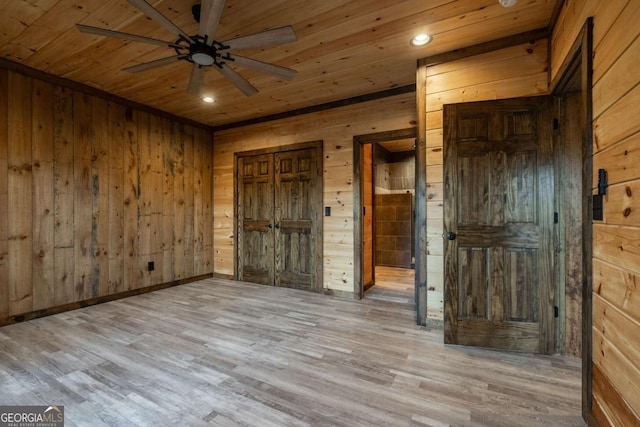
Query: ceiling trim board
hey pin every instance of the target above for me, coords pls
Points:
(400, 90)
(490, 46)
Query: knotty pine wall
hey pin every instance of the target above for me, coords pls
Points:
(90, 192)
(507, 73)
(336, 128)
(616, 240)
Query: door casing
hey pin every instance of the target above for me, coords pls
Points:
(578, 64)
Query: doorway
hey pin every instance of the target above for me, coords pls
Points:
(384, 180)
(566, 329)
(514, 201)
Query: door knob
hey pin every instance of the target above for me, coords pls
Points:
(451, 235)
(270, 225)
(278, 226)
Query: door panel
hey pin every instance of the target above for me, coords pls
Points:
(474, 190)
(255, 219)
(472, 297)
(297, 212)
(498, 201)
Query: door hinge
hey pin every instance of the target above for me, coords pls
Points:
(556, 124)
(555, 311)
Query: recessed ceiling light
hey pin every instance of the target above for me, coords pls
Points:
(207, 99)
(508, 3)
(421, 40)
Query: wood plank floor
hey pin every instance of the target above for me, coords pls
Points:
(223, 353)
(393, 285)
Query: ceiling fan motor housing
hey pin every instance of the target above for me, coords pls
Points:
(202, 54)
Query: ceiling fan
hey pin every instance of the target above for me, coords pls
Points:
(203, 50)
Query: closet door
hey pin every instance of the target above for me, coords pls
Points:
(298, 197)
(255, 219)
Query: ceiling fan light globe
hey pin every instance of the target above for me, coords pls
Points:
(201, 58)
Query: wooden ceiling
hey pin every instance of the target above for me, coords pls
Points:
(399, 145)
(345, 48)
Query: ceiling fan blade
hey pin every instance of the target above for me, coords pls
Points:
(210, 18)
(266, 38)
(152, 13)
(265, 67)
(195, 81)
(153, 64)
(237, 80)
(121, 35)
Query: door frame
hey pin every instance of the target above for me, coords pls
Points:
(317, 144)
(579, 61)
(358, 201)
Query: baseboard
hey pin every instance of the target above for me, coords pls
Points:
(98, 300)
(223, 276)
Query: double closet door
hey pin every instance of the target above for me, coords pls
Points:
(279, 222)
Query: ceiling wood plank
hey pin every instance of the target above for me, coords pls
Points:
(345, 48)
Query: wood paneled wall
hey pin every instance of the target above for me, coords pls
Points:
(336, 128)
(616, 258)
(506, 73)
(90, 192)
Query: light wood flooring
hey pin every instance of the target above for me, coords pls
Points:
(223, 353)
(393, 285)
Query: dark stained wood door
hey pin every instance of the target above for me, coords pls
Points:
(255, 219)
(499, 290)
(279, 218)
(297, 215)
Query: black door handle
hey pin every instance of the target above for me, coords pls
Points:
(278, 226)
(270, 225)
(451, 235)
